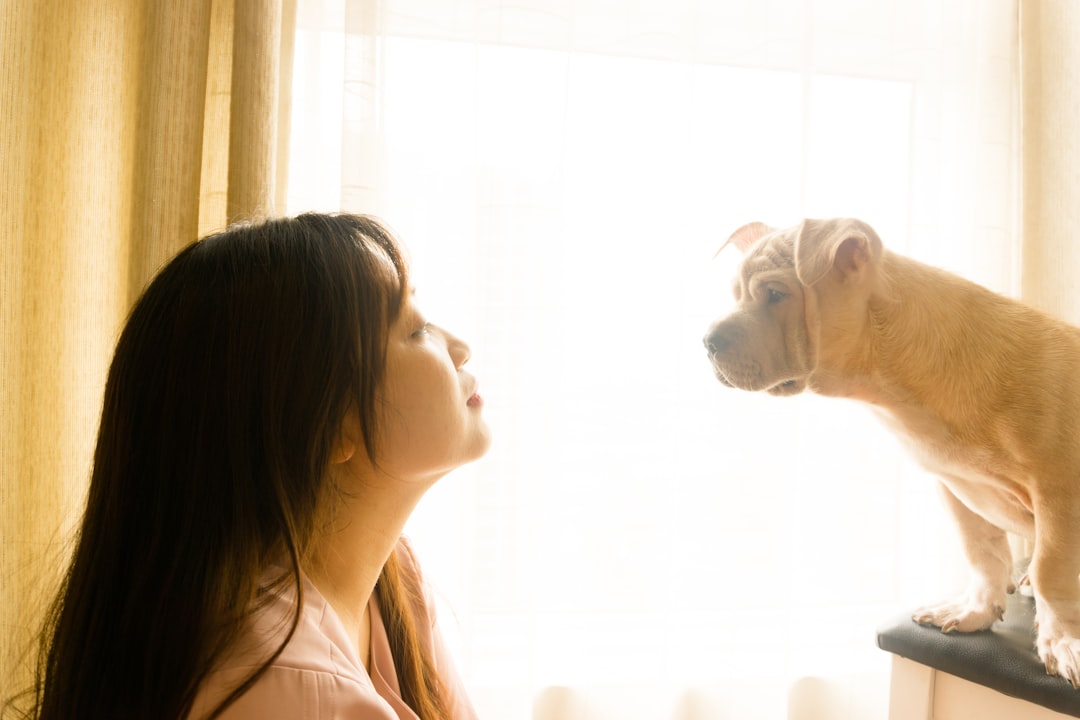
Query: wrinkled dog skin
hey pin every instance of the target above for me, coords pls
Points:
(985, 390)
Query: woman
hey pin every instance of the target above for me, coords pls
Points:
(275, 409)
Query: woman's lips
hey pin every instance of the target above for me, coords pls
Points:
(475, 400)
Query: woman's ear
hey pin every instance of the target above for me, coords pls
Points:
(349, 437)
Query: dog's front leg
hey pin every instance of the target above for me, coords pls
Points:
(1055, 566)
(987, 549)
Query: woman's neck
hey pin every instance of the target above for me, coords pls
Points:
(347, 558)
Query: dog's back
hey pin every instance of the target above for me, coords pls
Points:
(977, 379)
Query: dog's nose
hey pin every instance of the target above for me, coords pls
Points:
(716, 341)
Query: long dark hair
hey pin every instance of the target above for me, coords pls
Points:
(224, 399)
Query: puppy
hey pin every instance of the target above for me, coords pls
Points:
(985, 390)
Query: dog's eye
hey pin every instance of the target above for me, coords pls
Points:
(774, 296)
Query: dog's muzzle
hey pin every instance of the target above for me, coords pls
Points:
(733, 371)
(716, 341)
(720, 338)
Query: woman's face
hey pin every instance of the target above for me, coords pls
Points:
(429, 407)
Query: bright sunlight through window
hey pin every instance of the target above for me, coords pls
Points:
(563, 210)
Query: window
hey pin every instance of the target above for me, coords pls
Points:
(636, 524)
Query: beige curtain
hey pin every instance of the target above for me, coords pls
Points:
(127, 129)
(1050, 67)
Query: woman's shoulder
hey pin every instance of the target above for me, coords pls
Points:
(290, 692)
(430, 634)
(317, 669)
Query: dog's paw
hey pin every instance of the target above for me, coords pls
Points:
(961, 615)
(1058, 644)
(1061, 657)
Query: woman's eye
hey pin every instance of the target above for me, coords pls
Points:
(422, 330)
(775, 296)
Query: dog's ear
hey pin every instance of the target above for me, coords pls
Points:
(848, 245)
(746, 236)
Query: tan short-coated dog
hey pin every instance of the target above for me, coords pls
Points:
(984, 389)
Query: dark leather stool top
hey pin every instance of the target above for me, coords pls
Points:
(1002, 658)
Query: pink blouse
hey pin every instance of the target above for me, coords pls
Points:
(318, 675)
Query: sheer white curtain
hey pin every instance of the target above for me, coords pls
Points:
(641, 542)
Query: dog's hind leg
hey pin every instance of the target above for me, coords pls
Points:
(990, 558)
(1053, 572)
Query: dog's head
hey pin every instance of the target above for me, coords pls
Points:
(799, 292)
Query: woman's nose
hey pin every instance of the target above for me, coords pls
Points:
(459, 349)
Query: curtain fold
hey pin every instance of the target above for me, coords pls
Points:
(117, 152)
(253, 140)
(1050, 69)
(173, 59)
